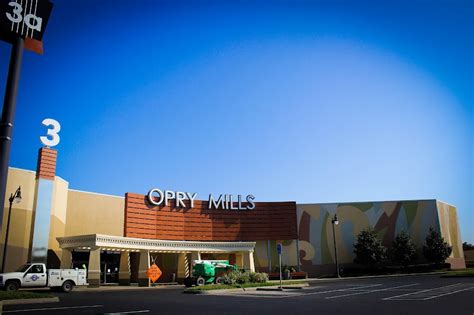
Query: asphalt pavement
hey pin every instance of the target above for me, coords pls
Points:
(428, 294)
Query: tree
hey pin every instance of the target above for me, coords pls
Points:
(403, 249)
(436, 249)
(368, 249)
(467, 246)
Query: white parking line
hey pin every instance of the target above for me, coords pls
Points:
(412, 296)
(287, 294)
(371, 291)
(52, 308)
(129, 312)
(436, 296)
(331, 291)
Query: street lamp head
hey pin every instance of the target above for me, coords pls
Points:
(17, 196)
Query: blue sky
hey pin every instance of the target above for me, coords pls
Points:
(313, 101)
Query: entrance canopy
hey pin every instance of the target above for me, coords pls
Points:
(186, 251)
(119, 243)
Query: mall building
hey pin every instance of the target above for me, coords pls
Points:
(117, 237)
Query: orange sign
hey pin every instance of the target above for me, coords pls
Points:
(153, 273)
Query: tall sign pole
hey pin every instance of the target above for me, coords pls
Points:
(279, 250)
(20, 21)
(8, 115)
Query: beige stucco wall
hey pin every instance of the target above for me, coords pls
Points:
(20, 221)
(91, 213)
(449, 227)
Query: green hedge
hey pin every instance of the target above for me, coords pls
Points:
(208, 287)
(14, 295)
(460, 273)
(241, 277)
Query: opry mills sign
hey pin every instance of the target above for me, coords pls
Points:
(157, 197)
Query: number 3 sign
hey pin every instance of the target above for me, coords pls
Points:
(52, 138)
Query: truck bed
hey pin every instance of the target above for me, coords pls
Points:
(56, 277)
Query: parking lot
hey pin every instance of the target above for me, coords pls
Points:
(391, 290)
(393, 295)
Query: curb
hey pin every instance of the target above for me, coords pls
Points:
(27, 301)
(125, 288)
(210, 292)
(269, 288)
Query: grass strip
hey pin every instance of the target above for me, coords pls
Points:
(17, 295)
(240, 286)
(459, 273)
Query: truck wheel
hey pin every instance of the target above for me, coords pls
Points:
(67, 286)
(12, 286)
(220, 280)
(200, 281)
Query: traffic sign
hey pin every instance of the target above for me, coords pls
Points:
(153, 273)
(279, 248)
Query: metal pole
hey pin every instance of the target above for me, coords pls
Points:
(335, 249)
(8, 115)
(298, 255)
(6, 235)
(269, 254)
(279, 261)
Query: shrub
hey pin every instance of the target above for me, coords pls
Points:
(231, 277)
(368, 249)
(243, 277)
(403, 249)
(436, 249)
(258, 277)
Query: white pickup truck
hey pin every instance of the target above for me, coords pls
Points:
(36, 276)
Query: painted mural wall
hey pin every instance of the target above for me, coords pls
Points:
(386, 218)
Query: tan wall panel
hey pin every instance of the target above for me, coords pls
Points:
(20, 221)
(90, 213)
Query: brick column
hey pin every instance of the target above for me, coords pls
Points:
(46, 166)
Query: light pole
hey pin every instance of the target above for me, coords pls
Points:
(16, 197)
(334, 222)
(8, 115)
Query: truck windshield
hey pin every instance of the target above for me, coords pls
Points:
(23, 268)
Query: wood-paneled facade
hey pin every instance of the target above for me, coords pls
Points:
(268, 221)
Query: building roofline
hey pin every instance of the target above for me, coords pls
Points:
(367, 201)
(94, 193)
(446, 203)
(21, 169)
